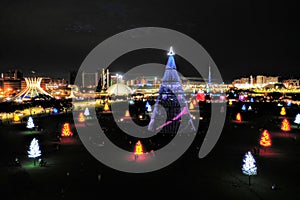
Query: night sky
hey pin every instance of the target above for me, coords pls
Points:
(242, 37)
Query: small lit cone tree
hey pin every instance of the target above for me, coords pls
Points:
(244, 108)
(148, 107)
(138, 149)
(30, 123)
(238, 117)
(297, 120)
(34, 150)
(17, 118)
(106, 107)
(87, 113)
(81, 117)
(191, 107)
(265, 139)
(127, 114)
(249, 165)
(282, 112)
(66, 131)
(285, 125)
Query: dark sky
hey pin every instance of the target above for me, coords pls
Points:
(242, 37)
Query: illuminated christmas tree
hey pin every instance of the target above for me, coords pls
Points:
(244, 107)
(86, 112)
(265, 139)
(127, 114)
(138, 150)
(34, 150)
(106, 107)
(66, 131)
(238, 117)
(148, 107)
(249, 165)
(171, 98)
(30, 123)
(297, 120)
(17, 118)
(285, 125)
(81, 117)
(191, 107)
(250, 108)
(283, 112)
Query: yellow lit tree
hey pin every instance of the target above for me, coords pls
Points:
(81, 117)
(66, 131)
(283, 112)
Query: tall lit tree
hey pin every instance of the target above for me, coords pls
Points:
(249, 165)
(30, 123)
(34, 150)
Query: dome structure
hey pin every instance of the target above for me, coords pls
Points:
(119, 89)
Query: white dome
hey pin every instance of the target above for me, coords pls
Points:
(119, 89)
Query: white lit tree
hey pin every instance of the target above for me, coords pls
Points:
(30, 123)
(34, 150)
(87, 112)
(297, 120)
(249, 165)
(148, 107)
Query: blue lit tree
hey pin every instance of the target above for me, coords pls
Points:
(148, 107)
(244, 107)
(249, 165)
(34, 150)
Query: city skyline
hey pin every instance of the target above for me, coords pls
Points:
(241, 37)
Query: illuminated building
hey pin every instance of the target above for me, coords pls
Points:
(33, 89)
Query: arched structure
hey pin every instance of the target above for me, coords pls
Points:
(33, 89)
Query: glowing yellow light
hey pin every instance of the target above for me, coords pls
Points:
(191, 107)
(238, 117)
(265, 139)
(66, 131)
(106, 107)
(283, 112)
(285, 125)
(81, 117)
(138, 148)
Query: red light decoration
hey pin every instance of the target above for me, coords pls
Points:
(138, 148)
(200, 96)
(285, 125)
(265, 139)
(238, 117)
(81, 117)
(66, 131)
